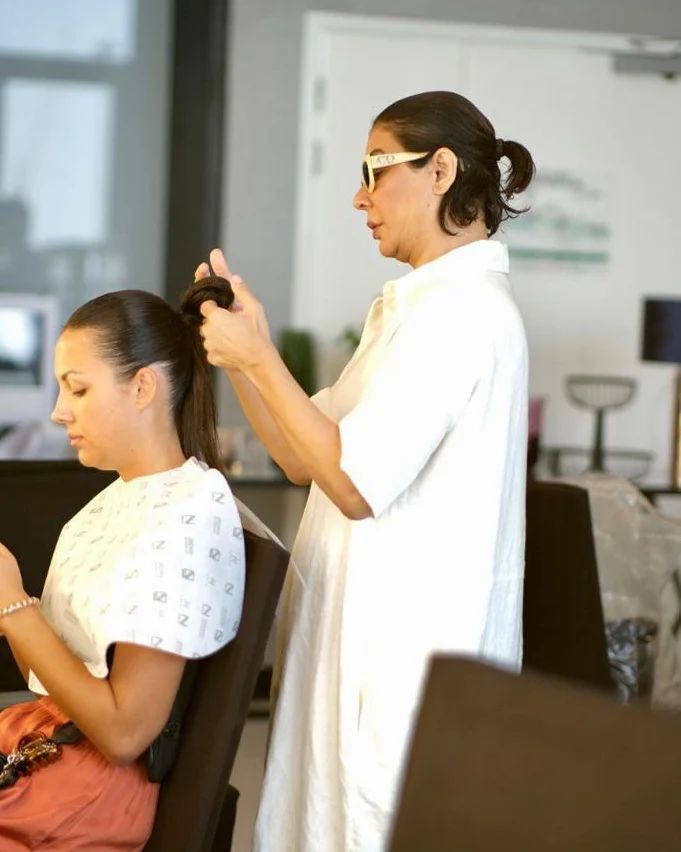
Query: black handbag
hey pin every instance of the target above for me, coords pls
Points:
(160, 757)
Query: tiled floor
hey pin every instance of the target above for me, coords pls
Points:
(247, 778)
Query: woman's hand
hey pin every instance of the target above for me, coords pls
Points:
(239, 338)
(11, 584)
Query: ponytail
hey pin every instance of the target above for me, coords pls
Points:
(195, 414)
(521, 169)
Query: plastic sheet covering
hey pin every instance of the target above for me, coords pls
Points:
(638, 550)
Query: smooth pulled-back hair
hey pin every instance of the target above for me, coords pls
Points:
(136, 329)
(432, 120)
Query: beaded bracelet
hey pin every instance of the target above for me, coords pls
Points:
(13, 607)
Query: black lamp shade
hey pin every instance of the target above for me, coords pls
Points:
(662, 330)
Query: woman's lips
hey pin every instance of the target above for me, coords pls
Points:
(374, 226)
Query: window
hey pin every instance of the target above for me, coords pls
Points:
(83, 137)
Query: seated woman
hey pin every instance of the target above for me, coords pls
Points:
(149, 574)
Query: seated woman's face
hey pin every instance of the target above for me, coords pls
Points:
(97, 409)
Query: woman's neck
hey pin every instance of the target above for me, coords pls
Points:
(442, 242)
(152, 456)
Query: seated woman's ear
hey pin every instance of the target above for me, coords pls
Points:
(145, 386)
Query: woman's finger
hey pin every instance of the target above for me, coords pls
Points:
(202, 271)
(219, 264)
(208, 307)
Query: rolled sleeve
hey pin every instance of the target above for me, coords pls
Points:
(322, 400)
(414, 398)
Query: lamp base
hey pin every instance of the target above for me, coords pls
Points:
(676, 449)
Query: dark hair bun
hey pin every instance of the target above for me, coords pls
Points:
(213, 288)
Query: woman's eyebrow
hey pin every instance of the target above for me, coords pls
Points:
(376, 151)
(65, 375)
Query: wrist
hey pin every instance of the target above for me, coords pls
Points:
(262, 366)
(10, 605)
(10, 595)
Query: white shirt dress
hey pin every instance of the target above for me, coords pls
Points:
(432, 411)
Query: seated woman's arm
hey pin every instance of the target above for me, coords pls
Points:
(21, 665)
(120, 715)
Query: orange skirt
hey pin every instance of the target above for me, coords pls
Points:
(79, 802)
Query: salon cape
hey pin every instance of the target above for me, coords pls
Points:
(156, 561)
(432, 411)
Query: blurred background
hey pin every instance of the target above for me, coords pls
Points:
(135, 135)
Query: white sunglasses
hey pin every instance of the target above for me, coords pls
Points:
(374, 162)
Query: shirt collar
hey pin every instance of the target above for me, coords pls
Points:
(476, 257)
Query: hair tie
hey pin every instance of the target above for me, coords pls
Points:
(500, 148)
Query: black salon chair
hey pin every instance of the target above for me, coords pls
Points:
(563, 629)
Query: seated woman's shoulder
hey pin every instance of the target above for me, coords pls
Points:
(195, 496)
(194, 480)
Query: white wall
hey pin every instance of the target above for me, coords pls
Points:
(263, 115)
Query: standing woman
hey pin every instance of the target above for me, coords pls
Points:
(149, 574)
(413, 536)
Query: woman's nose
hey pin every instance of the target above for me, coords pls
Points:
(361, 200)
(60, 413)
